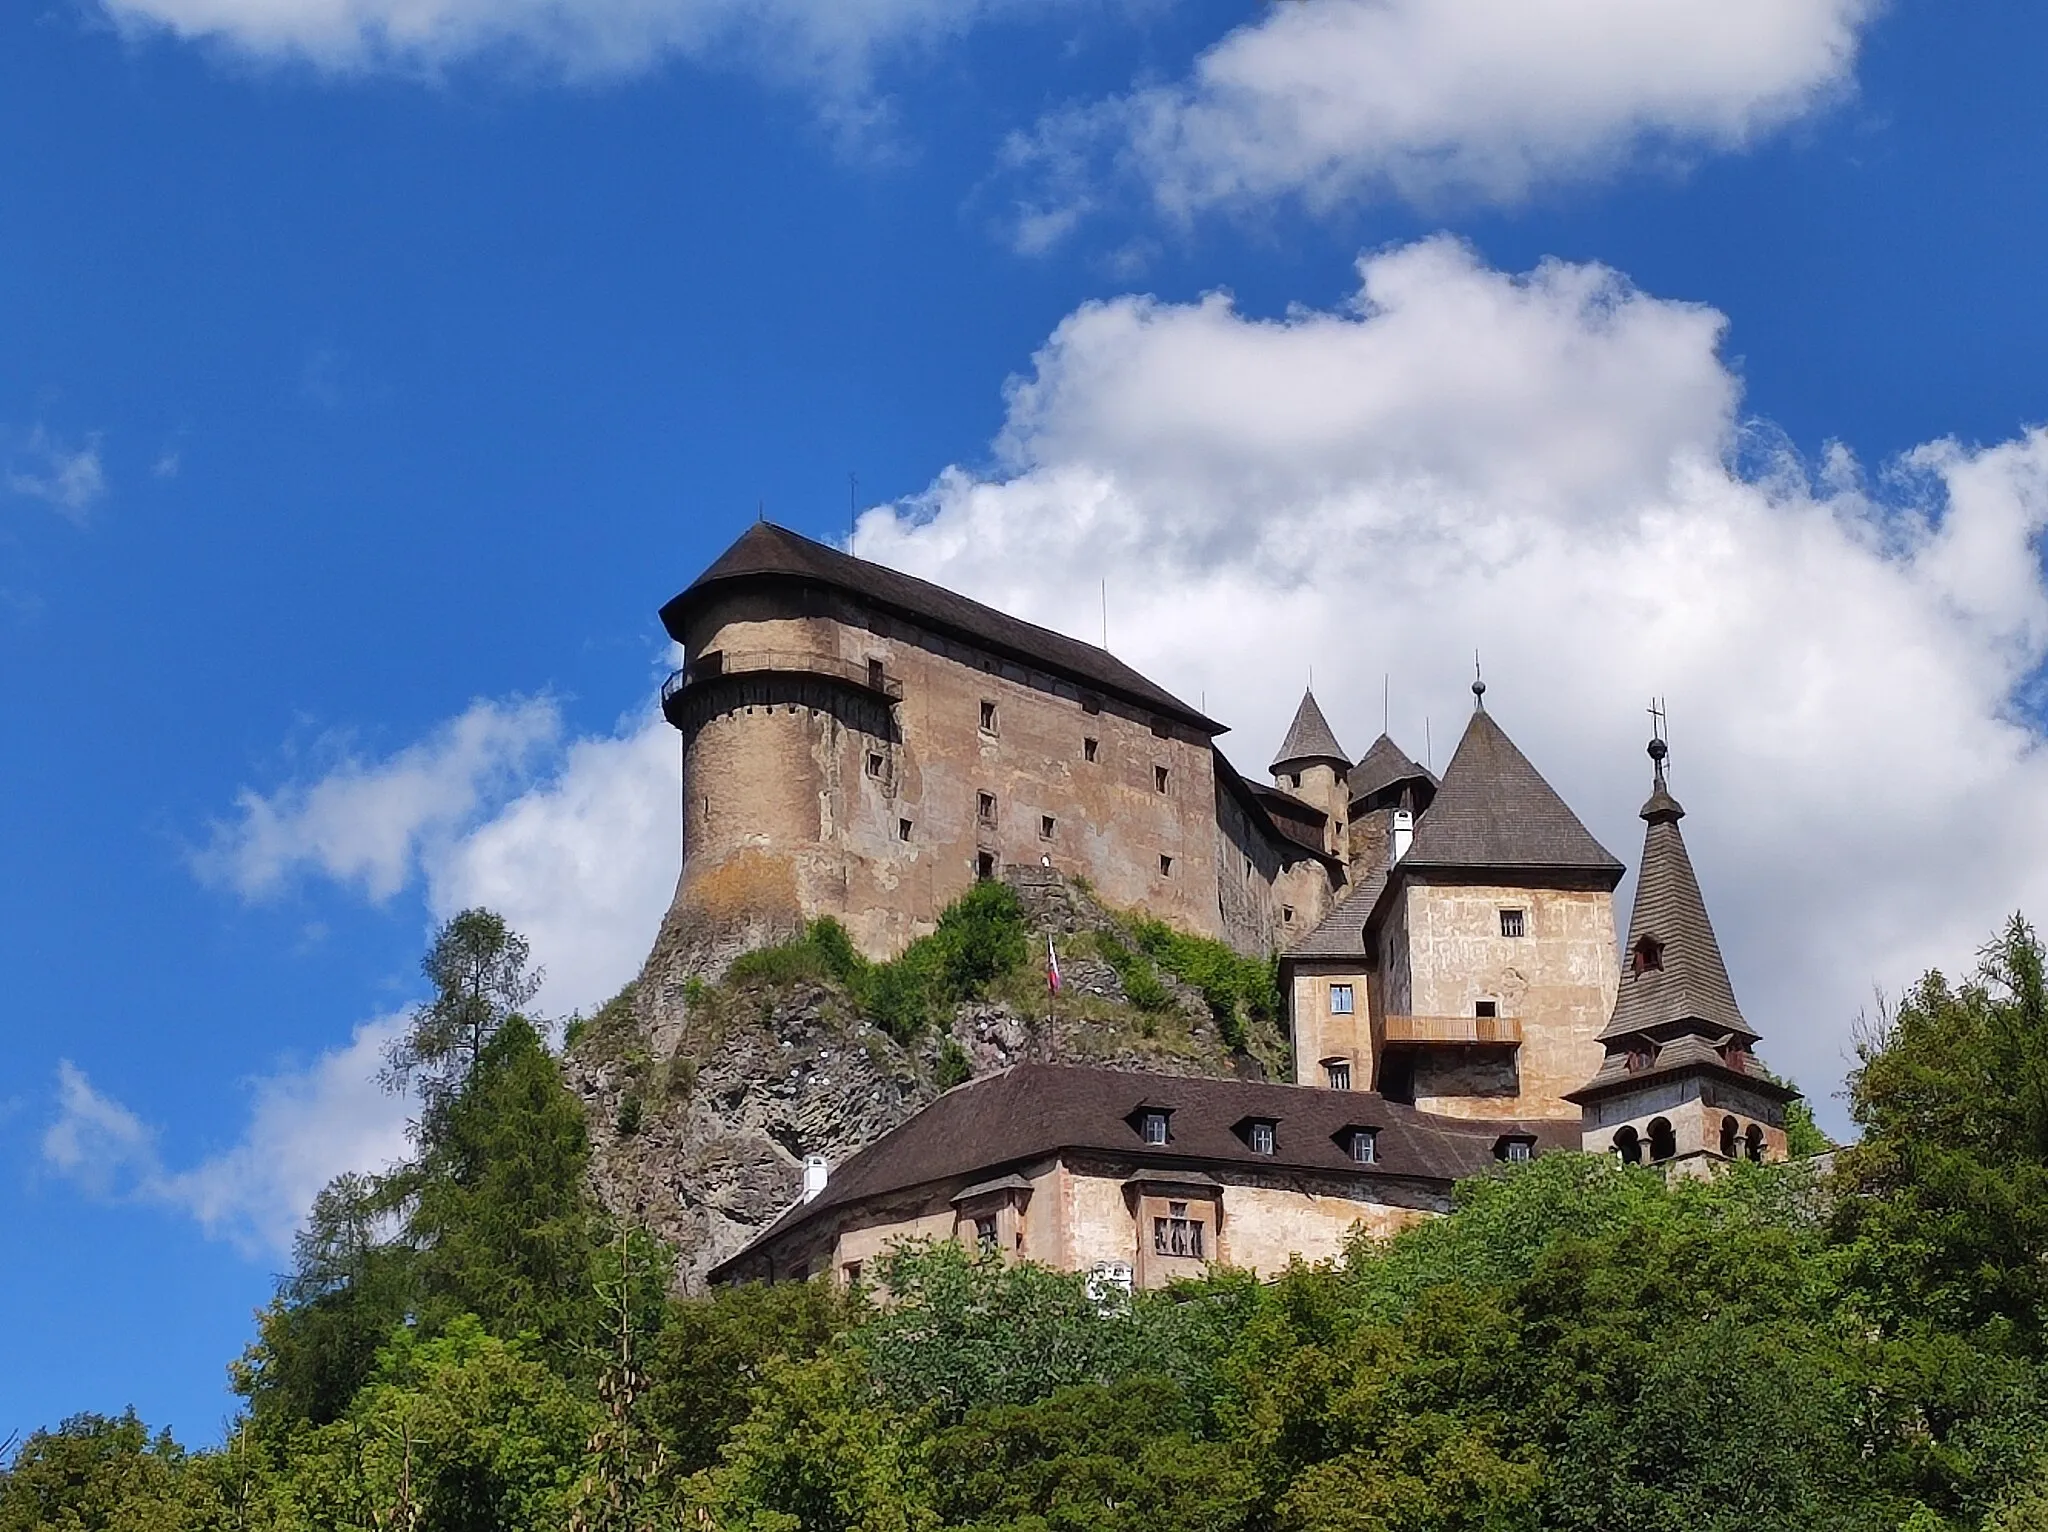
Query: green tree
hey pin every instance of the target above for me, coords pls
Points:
(95, 1472)
(477, 966)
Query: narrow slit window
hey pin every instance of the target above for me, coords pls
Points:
(875, 764)
(1165, 866)
(988, 718)
(1513, 922)
(1089, 749)
(1159, 777)
(1286, 914)
(877, 676)
(985, 808)
(903, 829)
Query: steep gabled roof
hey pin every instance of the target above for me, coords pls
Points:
(1495, 811)
(1032, 1111)
(1310, 738)
(1341, 933)
(1385, 764)
(1691, 983)
(766, 554)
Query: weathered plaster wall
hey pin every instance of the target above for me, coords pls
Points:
(1321, 1033)
(1558, 979)
(1265, 1226)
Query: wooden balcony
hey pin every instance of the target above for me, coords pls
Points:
(1480, 1031)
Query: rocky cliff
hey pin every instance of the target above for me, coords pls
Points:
(706, 1091)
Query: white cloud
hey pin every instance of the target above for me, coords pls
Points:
(1334, 100)
(1539, 467)
(65, 476)
(370, 822)
(833, 43)
(305, 1127)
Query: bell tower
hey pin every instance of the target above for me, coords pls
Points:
(1681, 1084)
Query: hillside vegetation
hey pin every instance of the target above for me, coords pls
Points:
(471, 1343)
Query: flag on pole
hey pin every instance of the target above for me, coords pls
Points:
(1052, 967)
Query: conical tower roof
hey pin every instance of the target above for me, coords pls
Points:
(1685, 979)
(1382, 766)
(1494, 810)
(1309, 738)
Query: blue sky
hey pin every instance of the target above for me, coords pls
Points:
(363, 394)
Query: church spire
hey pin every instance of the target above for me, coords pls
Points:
(1672, 969)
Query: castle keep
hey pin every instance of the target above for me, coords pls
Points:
(863, 744)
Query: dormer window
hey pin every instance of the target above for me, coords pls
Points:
(1364, 1146)
(1261, 1135)
(1647, 956)
(1515, 1148)
(1152, 1127)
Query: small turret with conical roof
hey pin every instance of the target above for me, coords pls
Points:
(1313, 767)
(1680, 1082)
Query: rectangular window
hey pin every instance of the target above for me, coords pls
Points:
(903, 829)
(1518, 1151)
(1089, 748)
(1159, 776)
(850, 1273)
(984, 865)
(876, 677)
(988, 718)
(1155, 1127)
(1340, 1000)
(1176, 1233)
(1339, 1074)
(1512, 923)
(985, 1235)
(1165, 866)
(1365, 1149)
(1286, 914)
(1261, 1138)
(985, 809)
(1045, 826)
(875, 764)
(1486, 1008)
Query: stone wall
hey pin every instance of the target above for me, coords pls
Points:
(811, 796)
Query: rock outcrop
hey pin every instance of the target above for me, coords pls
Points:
(705, 1096)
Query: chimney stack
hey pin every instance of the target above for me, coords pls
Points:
(815, 1173)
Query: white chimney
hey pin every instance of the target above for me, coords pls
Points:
(1404, 832)
(815, 1173)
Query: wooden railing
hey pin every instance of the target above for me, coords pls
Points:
(1454, 1029)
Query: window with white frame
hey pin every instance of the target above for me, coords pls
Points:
(1340, 1000)
(1365, 1149)
(1260, 1136)
(1154, 1128)
(1338, 1073)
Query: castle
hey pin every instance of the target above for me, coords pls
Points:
(860, 743)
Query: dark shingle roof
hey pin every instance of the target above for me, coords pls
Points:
(1494, 810)
(766, 553)
(1032, 1111)
(1310, 738)
(1385, 764)
(1341, 933)
(1692, 985)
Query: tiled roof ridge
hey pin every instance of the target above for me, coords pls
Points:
(1495, 810)
(1383, 764)
(768, 551)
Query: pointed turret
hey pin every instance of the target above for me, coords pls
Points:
(1680, 1083)
(1672, 969)
(1494, 810)
(1385, 767)
(1309, 738)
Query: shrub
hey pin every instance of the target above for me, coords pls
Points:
(630, 1112)
(1239, 990)
(954, 1065)
(1134, 971)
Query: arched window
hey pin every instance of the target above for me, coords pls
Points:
(1729, 1128)
(1629, 1146)
(1663, 1142)
(1753, 1143)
